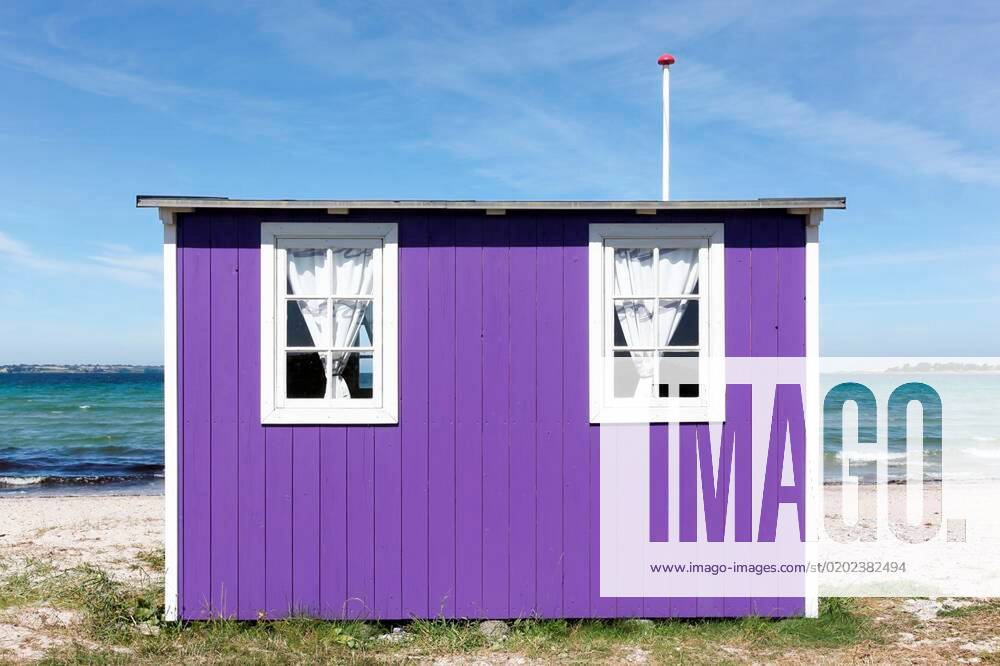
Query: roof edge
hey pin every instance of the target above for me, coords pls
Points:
(167, 201)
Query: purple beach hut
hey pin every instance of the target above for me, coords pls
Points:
(404, 409)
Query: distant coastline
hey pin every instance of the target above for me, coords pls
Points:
(950, 368)
(78, 369)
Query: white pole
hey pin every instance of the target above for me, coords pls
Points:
(665, 61)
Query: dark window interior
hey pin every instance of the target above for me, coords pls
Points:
(305, 376)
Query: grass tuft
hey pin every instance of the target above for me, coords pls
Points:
(154, 560)
(122, 623)
(990, 607)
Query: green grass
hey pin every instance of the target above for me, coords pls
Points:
(122, 624)
(152, 560)
(980, 608)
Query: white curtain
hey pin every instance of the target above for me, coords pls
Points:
(352, 275)
(307, 276)
(635, 274)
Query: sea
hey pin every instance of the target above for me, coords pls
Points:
(81, 433)
(103, 433)
(966, 404)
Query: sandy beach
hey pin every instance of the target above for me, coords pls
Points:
(116, 533)
(107, 531)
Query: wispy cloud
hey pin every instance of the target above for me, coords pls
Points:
(114, 262)
(509, 103)
(215, 110)
(524, 101)
(892, 145)
(552, 131)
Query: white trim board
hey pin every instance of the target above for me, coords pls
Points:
(814, 441)
(170, 425)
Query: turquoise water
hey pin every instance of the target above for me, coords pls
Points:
(969, 448)
(64, 433)
(67, 433)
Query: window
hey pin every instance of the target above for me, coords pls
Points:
(328, 323)
(657, 345)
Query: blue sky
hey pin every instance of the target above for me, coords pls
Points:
(892, 104)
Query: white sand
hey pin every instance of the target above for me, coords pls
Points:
(103, 530)
(110, 532)
(106, 531)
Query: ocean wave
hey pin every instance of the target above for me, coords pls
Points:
(22, 481)
(869, 456)
(84, 406)
(18, 481)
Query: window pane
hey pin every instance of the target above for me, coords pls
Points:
(308, 273)
(352, 323)
(633, 323)
(308, 324)
(633, 374)
(678, 375)
(305, 375)
(678, 321)
(352, 375)
(678, 271)
(353, 272)
(634, 275)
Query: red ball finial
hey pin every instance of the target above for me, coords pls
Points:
(666, 60)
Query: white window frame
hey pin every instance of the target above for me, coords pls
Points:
(383, 406)
(709, 406)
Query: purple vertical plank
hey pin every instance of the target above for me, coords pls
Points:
(738, 304)
(388, 523)
(441, 396)
(576, 438)
(388, 564)
(792, 287)
(413, 271)
(333, 521)
(225, 414)
(685, 606)
(599, 606)
(764, 321)
(496, 378)
(792, 339)
(711, 606)
(305, 520)
(658, 484)
(737, 286)
(764, 287)
(549, 359)
(196, 586)
(181, 227)
(739, 405)
(658, 506)
(469, 417)
(523, 421)
(278, 522)
(360, 522)
(252, 475)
